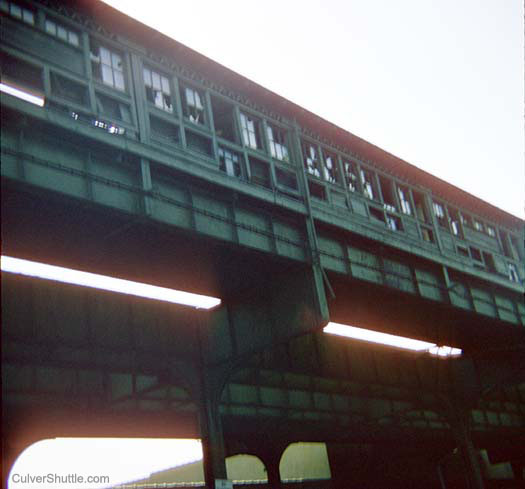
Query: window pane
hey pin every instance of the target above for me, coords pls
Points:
(61, 33)
(119, 80)
(105, 56)
(165, 85)
(189, 96)
(107, 75)
(156, 80)
(73, 38)
(28, 17)
(51, 27)
(198, 102)
(16, 11)
(116, 61)
(147, 77)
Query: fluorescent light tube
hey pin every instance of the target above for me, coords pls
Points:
(21, 94)
(86, 279)
(390, 340)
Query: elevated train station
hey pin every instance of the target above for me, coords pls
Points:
(129, 155)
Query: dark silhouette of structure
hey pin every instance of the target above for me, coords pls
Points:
(133, 156)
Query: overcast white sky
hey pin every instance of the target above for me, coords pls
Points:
(439, 83)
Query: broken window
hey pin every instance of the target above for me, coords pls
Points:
(367, 180)
(18, 12)
(199, 143)
(113, 108)
(163, 130)
(19, 74)
(517, 250)
(250, 128)
(513, 273)
(158, 90)
(107, 66)
(63, 33)
(466, 220)
(404, 200)
(421, 208)
(475, 254)
(439, 212)
(330, 169)
(68, 89)
(454, 219)
(286, 179)
(259, 172)
(277, 141)
(223, 119)
(389, 200)
(393, 223)
(377, 214)
(505, 244)
(427, 234)
(192, 105)
(317, 190)
(463, 251)
(478, 225)
(229, 162)
(489, 261)
(311, 159)
(350, 175)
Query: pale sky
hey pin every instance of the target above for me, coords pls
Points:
(121, 460)
(439, 83)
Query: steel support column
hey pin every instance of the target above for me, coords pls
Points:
(214, 455)
(272, 459)
(459, 422)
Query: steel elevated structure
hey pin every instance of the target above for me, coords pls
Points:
(127, 154)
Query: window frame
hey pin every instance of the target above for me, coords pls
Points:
(370, 190)
(312, 165)
(193, 112)
(234, 165)
(277, 143)
(330, 176)
(97, 59)
(23, 9)
(162, 77)
(245, 119)
(69, 31)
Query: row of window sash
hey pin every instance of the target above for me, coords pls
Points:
(112, 74)
(63, 33)
(439, 212)
(330, 172)
(311, 161)
(50, 26)
(17, 11)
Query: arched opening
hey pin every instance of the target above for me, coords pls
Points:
(246, 469)
(69, 462)
(305, 461)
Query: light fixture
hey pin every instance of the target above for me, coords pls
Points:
(21, 94)
(390, 340)
(87, 279)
